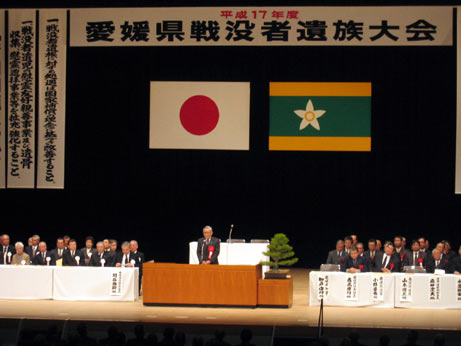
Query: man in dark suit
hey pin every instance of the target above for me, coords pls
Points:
(134, 249)
(88, 250)
(371, 253)
(32, 250)
(44, 257)
(6, 246)
(387, 261)
(337, 256)
(99, 258)
(355, 263)
(113, 251)
(456, 263)
(398, 247)
(72, 257)
(126, 258)
(448, 252)
(436, 261)
(422, 245)
(347, 244)
(58, 252)
(414, 257)
(208, 247)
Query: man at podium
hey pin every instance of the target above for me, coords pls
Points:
(208, 247)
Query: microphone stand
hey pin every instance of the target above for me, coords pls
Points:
(229, 242)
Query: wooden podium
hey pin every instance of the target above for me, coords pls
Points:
(193, 284)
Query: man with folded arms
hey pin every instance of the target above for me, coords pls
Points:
(355, 263)
(43, 257)
(72, 257)
(99, 258)
(126, 258)
(371, 253)
(20, 257)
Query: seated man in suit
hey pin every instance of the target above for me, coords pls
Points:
(88, 250)
(6, 246)
(208, 247)
(398, 247)
(371, 253)
(99, 258)
(448, 252)
(436, 261)
(456, 263)
(58, 252)
(44, 257)
(355, 263)
(337, 256)
(32, 250)
(126, 258)
(387, 261)
(20, 257)
(414, 257)
(72, 257)
(422, 244)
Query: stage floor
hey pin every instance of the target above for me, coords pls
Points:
(299, 315)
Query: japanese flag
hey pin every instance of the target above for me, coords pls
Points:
(199, 115)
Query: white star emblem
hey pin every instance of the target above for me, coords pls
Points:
(309, 116)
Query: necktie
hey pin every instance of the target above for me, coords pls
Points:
(372, 254)
(72, 254)
(100, 255)
(208, 242)
(437, 264)
(5, 249)
(355, 262)
(124, 260)
(60, 252)
(385, 261)
(43, 256)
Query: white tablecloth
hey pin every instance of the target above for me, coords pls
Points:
(26, 282)
(364, 296)
(446, 292)
(91, 283)
(235, 253)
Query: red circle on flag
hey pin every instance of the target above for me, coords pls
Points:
(199, 115)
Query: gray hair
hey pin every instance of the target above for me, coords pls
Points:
(36, 236)
(125, 244)
(340, 242)
(134, 241)
(208, 227)
(100, 242)
(19, 244)
(436, 250)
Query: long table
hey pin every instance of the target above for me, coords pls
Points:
(69, 283)
(235, 253)
(427, 291)
(189, 284)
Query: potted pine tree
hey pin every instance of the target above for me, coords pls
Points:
(281, 254)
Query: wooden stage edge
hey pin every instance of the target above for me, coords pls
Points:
(299, 315)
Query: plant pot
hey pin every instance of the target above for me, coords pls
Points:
(280, 274)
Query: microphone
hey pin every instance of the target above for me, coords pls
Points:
(229, 239)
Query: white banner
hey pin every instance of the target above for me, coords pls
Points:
(352, 287)
(2, 100)
(116, 283)
(434, 288)
(406, 289)
(21, 98)
(323, 286)
(52, 98)
(458, 289)
(378, 287)
(262, 26)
